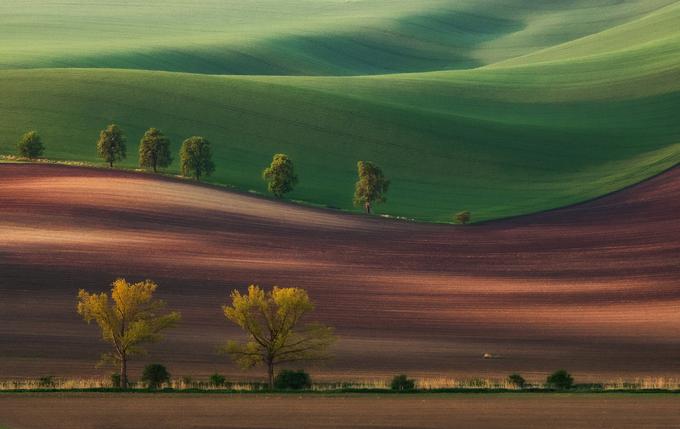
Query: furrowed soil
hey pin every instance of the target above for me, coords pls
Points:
(593, 288)
(101, 411)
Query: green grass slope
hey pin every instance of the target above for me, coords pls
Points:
(551, 127)
(296, 37)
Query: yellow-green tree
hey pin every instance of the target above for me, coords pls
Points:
(154, 150)
(31, 146)
(195, 158)
(132, 319)
(272, 321)
(111, 144)
(371, 186)
(280, 175)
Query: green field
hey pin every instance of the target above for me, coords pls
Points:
(497, 107)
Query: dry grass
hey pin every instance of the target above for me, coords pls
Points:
(435, 383)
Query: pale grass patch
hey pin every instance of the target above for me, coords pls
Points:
(462, 383)
(644, 383)
(57, 383)
(425, 383)
(359, 384)
(184, 384)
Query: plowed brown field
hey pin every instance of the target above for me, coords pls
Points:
(463, 411)
(594, 288)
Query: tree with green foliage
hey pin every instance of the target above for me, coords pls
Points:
(134, 318)
(271, 321)
(280, 175)
(463, 218)
(560, 379)
(196, 157)
(111, 144)
(154, 150)
(371, 186)
(155, 375)
(217, 380)
(30, 145)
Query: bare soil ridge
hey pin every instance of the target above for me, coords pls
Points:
(592, 287)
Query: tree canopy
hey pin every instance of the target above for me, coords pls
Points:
(30, 145)
(196, 158)
(111, 144)
(154, 150)
(132, 319)
(280, 175)
(371, 186)
(271, 321)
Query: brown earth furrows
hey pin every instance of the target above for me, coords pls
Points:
(185, 411)
(593, 287)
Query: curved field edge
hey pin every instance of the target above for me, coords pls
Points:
(564, 125)
(445, 146)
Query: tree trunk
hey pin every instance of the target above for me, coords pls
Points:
(110, 164)
(123, 373)
(154, 168)
(367, 207)
(270, 374)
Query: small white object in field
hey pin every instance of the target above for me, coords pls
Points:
(488, 356)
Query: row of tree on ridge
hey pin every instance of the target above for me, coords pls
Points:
(196, 161)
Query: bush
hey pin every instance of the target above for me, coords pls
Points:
(295, 380)
(463, 218)
(560, 380)
(217, 380)
(517, 381)
(155, 375)
(402, 383)
(46, 382)
(115, 379)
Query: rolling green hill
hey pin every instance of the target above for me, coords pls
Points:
(498, 107)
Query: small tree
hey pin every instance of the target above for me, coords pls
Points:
(30, 145)
(134, 318)
(154, 150)
(463, 217)
(271, 321)
(371, 186)
(560, 380)
(111, 144)
(517, 381)
(280, 175)
(155, 375)
(402, 383)
(196, 158)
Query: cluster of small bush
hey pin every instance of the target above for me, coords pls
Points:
(156, 375)
(559, 380)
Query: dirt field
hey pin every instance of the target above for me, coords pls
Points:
(593, 288)
(102, 411)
